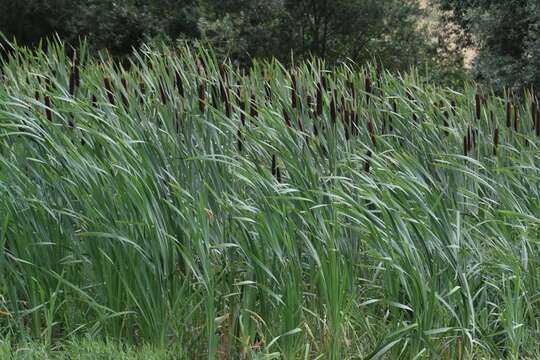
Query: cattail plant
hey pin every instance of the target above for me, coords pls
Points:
(268, 90)
(108, 90)
(333, 114)
(124, 96)
(478, 101)
(508, 114)
(142, 91)
(162, 93)
(239, 140)
(286, 117)
(202, 97)
(179, 83)
(319, 99)
(243, 113)
(276, 172)
(371, 131)
(74, 77)
(294, 94)
(48, 106)
(495, 141)
(368, 88)
(367, 162)
(537, 120)
(355, 129)
(516, 118)
(223, 82)
(253, 112)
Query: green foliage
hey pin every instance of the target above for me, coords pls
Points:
(507, 37)
(184, 204)
(360, 30)
(387, 31)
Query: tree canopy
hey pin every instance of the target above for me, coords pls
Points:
(507, 36)
(361, 30)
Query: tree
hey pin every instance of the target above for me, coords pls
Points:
(506, 35)
(31, 20)
(336, 30)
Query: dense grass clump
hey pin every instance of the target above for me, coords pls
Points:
(178, 202)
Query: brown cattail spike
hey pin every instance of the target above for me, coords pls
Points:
(333, 114)
(478, 106)
(495, 141)
(268, 90)
(162, 93)
(275, 169)
(367, 163)
(319, 99)
(286, 117)
(355, 129)
(371, 130)
(508, 114)
(124, 96)
(469, 140)
(242, 113)
(368, 88)
(516, 119)
(179, 83)
(108, 89)
(537, 126)
(202, 97)
(48, 106)
(254, 112)
(74, 77)
(294, 94)
(239, 136)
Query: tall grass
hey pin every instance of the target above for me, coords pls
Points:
(179, 202)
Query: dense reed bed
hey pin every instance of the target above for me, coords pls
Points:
(303, 213)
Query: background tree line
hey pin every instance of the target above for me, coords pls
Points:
(361, 30)
(393, 32)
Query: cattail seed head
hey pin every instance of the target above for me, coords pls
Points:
(478, 101)
(239, 138)
(495, 141)
(74, 77)
(48, 107)
(268, 90)
(367, 163)
(469, 140)
(202, 97)
(333, 114)
(142, 91)
(179, 83)
(516, 119)
(294, 94)
(108, 89)
(355, 128)
(242, 113)
(162, 93)
(286, 117)
(371, 129)
(352, 90)
(276, 172)
(368, 88)
(319, 100)
(254, 112)
(537, 126)
(508, 114)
